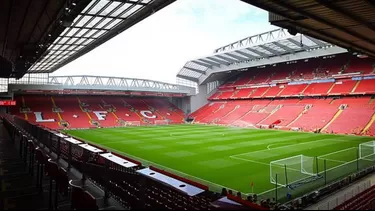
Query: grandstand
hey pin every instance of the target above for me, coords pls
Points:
(277, 115)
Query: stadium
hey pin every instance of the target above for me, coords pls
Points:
(281, 120)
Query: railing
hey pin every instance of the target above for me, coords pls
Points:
(110, 178)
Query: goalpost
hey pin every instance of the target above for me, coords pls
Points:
(367, 151)
(291, 170)
(133, 123)
(161, 122)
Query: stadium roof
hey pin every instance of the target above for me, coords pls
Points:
(102, 83)
(254, 51)
(40, 36)
(346, 23)
(99, 21)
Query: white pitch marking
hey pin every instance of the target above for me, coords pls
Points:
(286, 146)
(337, 152)
(262, 163)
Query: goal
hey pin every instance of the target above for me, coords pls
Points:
(133, 123)
(291, 170)
(161, 122)
(367, 151)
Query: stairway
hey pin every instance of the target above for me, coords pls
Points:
(299, 116)
(281, 91)
(332, 120)
(24, 105)
(234, 93)
(330, 89)
(371, 100)
(58, 113)
(265, 91)
(273, 111)
(305, 89)
(355, 87)
(372, 120)
(87, 113)
(234, 109)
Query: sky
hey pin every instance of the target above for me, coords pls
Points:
(159, 46)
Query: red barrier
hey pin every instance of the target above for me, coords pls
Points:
(246, 203)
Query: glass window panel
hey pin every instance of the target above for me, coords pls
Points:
(110, 8)
(81, 32)
(62, 41)
(80, 41)
(93, 22)
(65, 31)
(88, 41)
(88, 6)
(114, 23)
(104, 22)
(131, 11)
(72, 31)
(73, 47)
(83, 21)
(79, 47)
(55, 47)
(64, 47)
(120, 10)
(71, 41)
(99, 34)
(98, 7)
(91, 32)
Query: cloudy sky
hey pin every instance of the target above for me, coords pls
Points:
(159, 46)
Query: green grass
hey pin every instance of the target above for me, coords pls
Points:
(224, 156)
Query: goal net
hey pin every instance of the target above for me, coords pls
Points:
(133, 123)
(161, 122)
(291, 170)
(367, 151)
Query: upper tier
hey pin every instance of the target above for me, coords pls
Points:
(315, 76)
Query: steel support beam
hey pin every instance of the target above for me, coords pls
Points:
(240, 58)
(226, 59)
(321, 20)
(258, 52)
(202, 64)
(131, 2)
(210, 62)
(330, 5)
(301, 45)
(195, 70)
(316, 41)
(277, 53)
(188, 78)
(218, 61)
(289, 50)
(246, 54)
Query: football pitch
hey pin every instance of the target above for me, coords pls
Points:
(225, 156)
